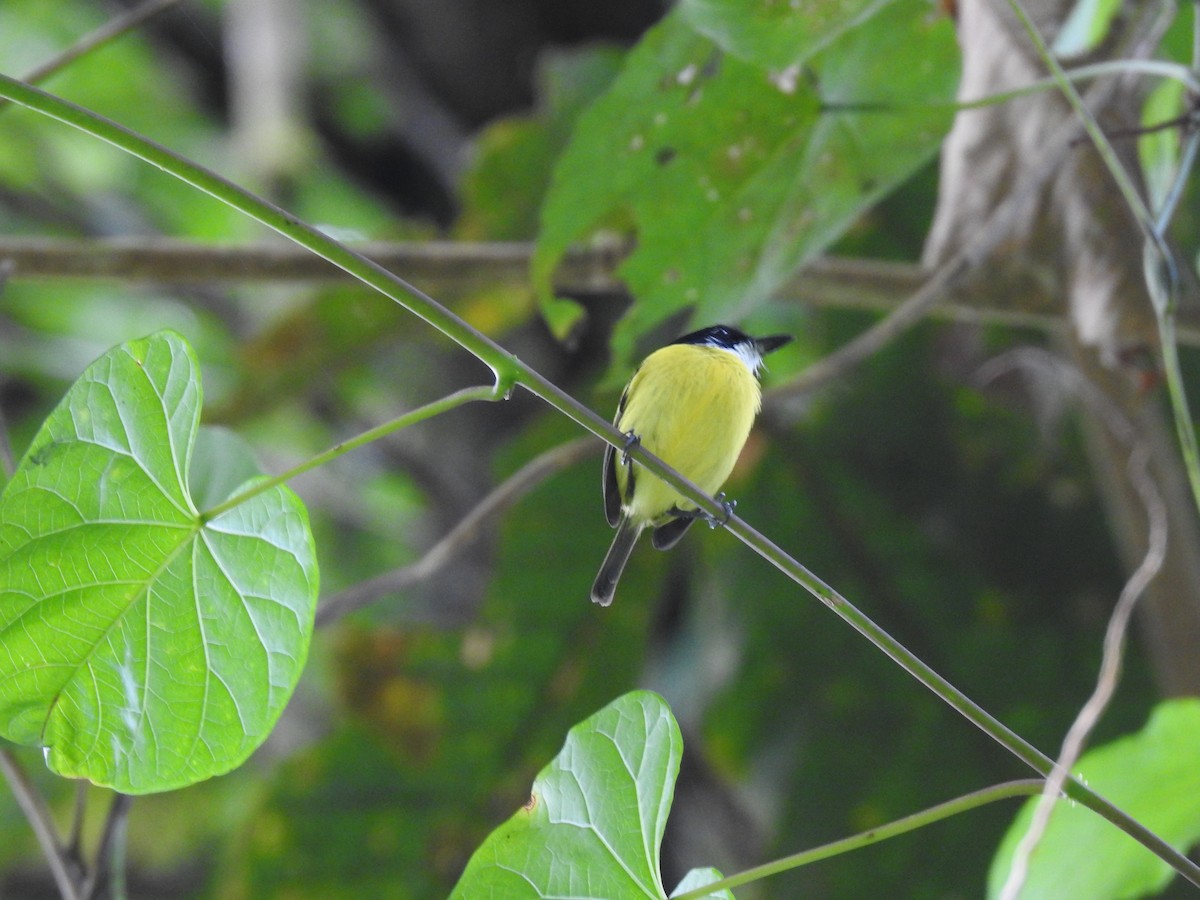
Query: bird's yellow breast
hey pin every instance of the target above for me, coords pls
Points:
(692, 406)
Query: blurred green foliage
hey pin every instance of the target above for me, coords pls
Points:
(971, 531)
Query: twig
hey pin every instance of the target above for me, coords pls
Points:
(1118, 625)
(74, 841)
(110, 30)
(7, 463)
(501, 498)
(42, 824)
(175, 261)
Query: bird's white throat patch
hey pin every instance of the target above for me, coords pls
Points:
(746, 352)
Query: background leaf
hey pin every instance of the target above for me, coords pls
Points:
(144, 649)
(733, 176)
(1158, 151)
(772, 34)
(602, 803)
(510, 171)
(1086, 26)
(1152, 775)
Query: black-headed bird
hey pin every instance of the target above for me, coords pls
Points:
(691, 404)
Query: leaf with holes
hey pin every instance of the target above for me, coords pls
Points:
(143, 646)
(596, 815)
(731, 173)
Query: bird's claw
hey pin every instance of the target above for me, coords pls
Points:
(631, 441)
(727, 506)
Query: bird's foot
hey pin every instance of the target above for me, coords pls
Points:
(727, 506)
(631, 440)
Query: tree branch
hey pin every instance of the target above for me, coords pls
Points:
(109, 31)
(453, 268)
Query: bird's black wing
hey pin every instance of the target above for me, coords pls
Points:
(612, 491)
(666, 536)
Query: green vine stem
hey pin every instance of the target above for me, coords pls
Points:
(1155, 68)
(1024, 788)
(510, 371)
(420, 414)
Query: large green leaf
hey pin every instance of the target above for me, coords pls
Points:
(734, 174)
(596, 815)
(773, 34)
(512, 158)
(143, 647)
(1153, 775)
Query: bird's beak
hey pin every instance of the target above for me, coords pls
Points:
(765, 345)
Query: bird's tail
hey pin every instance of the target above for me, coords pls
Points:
(614, 562)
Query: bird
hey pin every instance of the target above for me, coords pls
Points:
(692, 404)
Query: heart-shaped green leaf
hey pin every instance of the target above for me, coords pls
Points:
(596, 815)
(144, 647)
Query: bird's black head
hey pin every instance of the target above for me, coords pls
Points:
(729, 338)
(717, 336)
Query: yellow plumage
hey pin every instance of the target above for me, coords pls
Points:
(691, 404)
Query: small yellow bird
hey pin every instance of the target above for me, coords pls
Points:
(691, 404)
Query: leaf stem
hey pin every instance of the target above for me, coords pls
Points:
(509, 370)
(420, 414)
(1023, 788)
